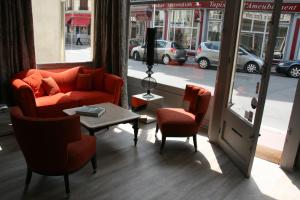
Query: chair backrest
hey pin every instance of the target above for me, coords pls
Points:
(44, 141)
(198, 99)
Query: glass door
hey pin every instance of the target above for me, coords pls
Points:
(245, 99)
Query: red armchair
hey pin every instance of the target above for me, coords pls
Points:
(53, 147)
(177, 122)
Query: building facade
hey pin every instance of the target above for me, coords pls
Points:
(194, 22)
(78, 21)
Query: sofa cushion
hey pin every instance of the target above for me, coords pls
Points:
(66, 80)
(90, 97)
(35, 82)
(50, 86)
(52, 106)
(84, 82)
(97, 77)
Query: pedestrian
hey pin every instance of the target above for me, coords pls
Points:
(78, 39)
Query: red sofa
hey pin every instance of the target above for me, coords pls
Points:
(72, 87)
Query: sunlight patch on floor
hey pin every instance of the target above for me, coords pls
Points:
(268, 176)
(126, 127)
(117, 130)
(206, 148)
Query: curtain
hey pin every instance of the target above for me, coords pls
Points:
(111, 36)
(16, 43)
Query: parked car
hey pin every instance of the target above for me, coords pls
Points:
(167, 51)
(290, 68)
(208, 55)
(133, 43)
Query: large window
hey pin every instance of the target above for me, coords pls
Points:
(183, 27)
(69, 4)
(63, 30)
(180, 30)
(215, 18)
(192, 25)
(83, 5)
(159, 23)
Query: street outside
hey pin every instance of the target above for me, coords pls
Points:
(279, 99)
(78, 53)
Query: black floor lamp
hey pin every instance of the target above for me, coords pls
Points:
(149, 83)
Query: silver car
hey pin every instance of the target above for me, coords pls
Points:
(167, 51)
(208, 55)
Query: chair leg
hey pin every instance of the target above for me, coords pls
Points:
(195, 142)
(157, 128)
(28, 178)
(94, 163)
(163, 141)
(67, 187)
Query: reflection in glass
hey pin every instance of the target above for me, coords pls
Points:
(159, 33)
(159, 18)
(214, 31)
(259, 26)
(246, 25)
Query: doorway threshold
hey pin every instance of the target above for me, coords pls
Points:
(270, 144)
(268, 154)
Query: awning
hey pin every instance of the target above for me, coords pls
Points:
(76, 19)
(67, 18)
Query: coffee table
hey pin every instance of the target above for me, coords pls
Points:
(113, 115)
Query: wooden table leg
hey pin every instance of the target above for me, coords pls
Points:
(136, 130)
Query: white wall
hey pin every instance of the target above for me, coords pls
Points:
(47, 30)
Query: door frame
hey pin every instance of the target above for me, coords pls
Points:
(292, 140)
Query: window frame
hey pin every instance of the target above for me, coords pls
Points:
(83, 5)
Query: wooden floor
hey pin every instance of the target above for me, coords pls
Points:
(141, 173)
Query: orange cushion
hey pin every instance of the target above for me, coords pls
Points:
(97, 77)
(50, 86)
(35, 82)
(90, 97)
(176, 122)
(84, 82)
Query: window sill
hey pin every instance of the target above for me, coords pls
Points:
(63, 65)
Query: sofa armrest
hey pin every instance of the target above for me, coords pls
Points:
(113, 85)
(24, 97)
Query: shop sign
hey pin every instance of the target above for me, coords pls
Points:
(250, 6)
